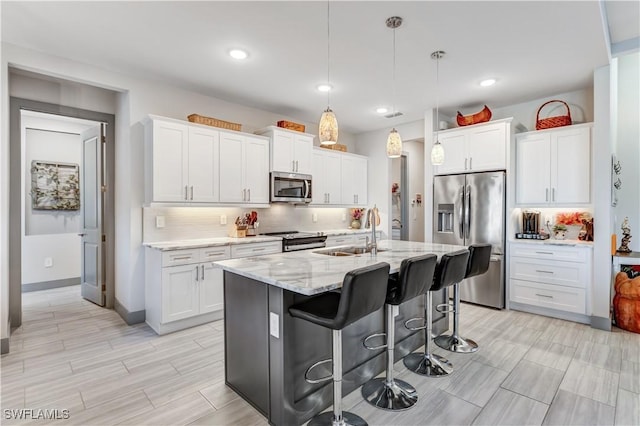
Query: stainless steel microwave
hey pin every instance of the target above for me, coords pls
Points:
(290, 188)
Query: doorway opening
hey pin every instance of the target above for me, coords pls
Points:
(55, 150)
(399, 199)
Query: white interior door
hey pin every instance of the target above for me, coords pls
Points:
(91, 204)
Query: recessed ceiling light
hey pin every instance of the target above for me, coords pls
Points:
(382, 110)
(238, 54)
(488, 82)
(324, 87)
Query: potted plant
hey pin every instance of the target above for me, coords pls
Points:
(559, 231)
(356, 215)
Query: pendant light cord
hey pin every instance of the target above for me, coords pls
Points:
(328, 52)
(393, 107)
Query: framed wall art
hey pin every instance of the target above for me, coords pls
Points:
(55, 186)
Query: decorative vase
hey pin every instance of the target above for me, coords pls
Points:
(355, 224)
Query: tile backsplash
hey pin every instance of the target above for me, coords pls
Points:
(204, 222)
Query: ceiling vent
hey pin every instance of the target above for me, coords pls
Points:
(393, 114)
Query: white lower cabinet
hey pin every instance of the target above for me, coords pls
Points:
(353, 239)
(183, 288)
(554, 278)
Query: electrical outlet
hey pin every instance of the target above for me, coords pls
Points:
(223, 219)
(160, 222)
(48, 262)
(274, 325)
(314, 217)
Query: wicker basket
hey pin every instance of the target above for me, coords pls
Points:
(290, 125)
(550, 122)
(210, 121)
(335, 147)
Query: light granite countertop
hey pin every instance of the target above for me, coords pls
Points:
(552, 242)
(208, 242)
(307, 272)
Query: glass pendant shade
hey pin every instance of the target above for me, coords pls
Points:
(437, 154)
(394, 144)
(328, 129)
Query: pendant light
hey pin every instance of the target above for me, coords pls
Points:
(328, 127)
(394, 141)
(437, 152)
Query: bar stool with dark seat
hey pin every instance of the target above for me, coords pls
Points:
(416, 274)
(363, 292)
(479, 258)
(450, 270)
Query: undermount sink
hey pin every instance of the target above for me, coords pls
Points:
(346, 251)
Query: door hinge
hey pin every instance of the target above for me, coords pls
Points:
(104, 139)
(103, 188)
(104, 238)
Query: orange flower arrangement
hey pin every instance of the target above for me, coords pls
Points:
(572, 218)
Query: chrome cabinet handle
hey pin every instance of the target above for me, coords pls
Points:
(546, 272)
(202, 272)
(81, 235)
(465, 164)
(544, 295)
(296, 165)
(470, 163)
(553, 194)
(544, 252)
(244, 195)
(546, 194)
(460, 212)
(249, 194)
(258, 249)
(182, 258)
(214, 253)
(192, 192)
(186, 189)
(293, 166)
(197, 274)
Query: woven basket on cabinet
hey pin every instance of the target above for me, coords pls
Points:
(550, 122)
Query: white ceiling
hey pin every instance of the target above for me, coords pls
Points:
(534, 49)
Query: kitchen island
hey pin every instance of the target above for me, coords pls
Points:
(267, 351)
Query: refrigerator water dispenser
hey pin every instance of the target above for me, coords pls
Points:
(445, 218)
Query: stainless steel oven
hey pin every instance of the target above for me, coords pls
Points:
(290, 188)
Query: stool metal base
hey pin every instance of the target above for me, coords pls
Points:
(431, 365)
(456, 344)
(327, 419)
(395, 396)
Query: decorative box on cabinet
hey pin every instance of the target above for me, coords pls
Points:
(182, 287)
(181, 162)
(244, 168)
(291, 151)
(551, 280)
(553, 166)
(476, 148)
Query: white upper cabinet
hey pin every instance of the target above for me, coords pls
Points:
(554, 166)
(244, 169)
(475, 148)
(194, 164)
(339, 178)
(354, 180)
(290, 151)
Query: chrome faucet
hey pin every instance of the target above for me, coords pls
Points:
(373, 219)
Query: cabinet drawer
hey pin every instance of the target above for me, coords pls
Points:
(257, 249)
(339, 240)
(180, 257)
(571, 274)
(562, 298)
(547, 251)
(211, 254)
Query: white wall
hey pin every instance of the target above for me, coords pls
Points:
(627, 146)
(135, 98)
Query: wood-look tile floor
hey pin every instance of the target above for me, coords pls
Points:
(72, 355)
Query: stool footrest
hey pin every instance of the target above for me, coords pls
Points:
(373, 348)
(446, 308)
(422, 327)
(321, 379)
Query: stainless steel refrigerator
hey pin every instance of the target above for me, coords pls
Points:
(470, 209)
